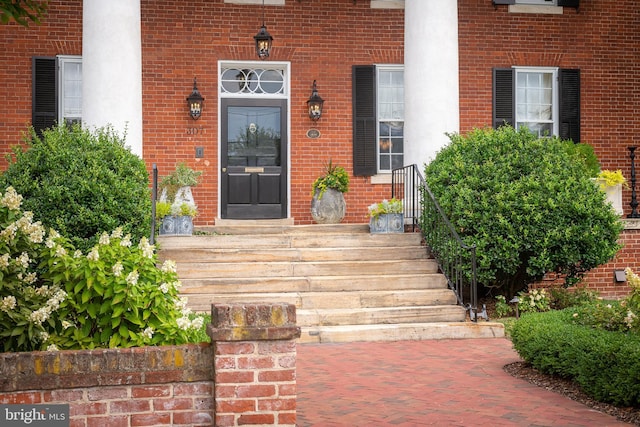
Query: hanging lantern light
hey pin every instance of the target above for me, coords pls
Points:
(315, 103)
(263, 39)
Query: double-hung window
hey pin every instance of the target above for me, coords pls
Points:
(378, 118)
(545, 100)
(57, 91)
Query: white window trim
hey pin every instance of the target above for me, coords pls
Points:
(62, 61)
(271, 65)
(555, 111)
(258, 2)
(538, 9)
(378, 68)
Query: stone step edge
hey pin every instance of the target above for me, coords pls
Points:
(400, 332)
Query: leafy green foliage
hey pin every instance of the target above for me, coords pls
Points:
(53, 296)
(82, 184)
(22, 11)
(527, 204)
(605, 364)
(385, 207)
(182, 176)
(335, 177)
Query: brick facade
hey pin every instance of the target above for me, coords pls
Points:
(322, 40)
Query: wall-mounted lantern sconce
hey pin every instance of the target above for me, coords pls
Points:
(315, 103)
(195, 102)
(263, 39)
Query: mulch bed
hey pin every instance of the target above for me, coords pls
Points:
(571, 390)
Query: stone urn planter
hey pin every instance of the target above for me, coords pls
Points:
(387, 223)
(328, 209)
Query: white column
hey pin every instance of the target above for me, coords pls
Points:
(431, 77)
(112, 68)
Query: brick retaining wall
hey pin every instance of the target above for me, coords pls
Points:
(246, 376)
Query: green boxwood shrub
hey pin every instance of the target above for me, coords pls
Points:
(82, 183)
(528, 205)
(605, 364)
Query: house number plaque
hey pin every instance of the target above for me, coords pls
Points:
(313, 133)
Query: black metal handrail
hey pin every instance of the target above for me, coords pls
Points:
(154, 197)
(456, 260)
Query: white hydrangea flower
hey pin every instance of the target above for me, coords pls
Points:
(11, 199)
(93, 255)
(198, 322)
(148, 333)
(132, 278)
(52, 347)
(628, 320)
(9, 233)
(30, 278)
(44, 336)
(164, 287)
(117, 233)
(66, 324)
(23, 260)
(126, 241)
(77, 253)
(183, 323)
(60, 251)
(53, 234)
(8, 303)
(4, 261)
(169, 266)
(40, 315)
(146, 248)
(104, 239)
(117, 269)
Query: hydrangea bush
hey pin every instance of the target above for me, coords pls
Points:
(53, 296)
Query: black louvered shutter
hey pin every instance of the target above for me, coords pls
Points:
(569, 3)
(364, 120)
(569, 81)
(503, 97)
(44, 105)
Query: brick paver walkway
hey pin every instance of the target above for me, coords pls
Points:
(420, 383)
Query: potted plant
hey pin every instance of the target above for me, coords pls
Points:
(327, 204)
(176, 207)
(611, 183)
(386, 217)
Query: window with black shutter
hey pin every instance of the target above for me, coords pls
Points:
(364, 120)
(532, 108)
(44, 110)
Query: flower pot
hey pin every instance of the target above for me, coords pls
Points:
(330, 208)
(387, 223)
(180, 225)
(614, 194)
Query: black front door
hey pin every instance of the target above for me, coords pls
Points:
(253, 159)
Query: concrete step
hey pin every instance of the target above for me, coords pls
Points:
(400, 332)
(201, 270)
(244, 285)
(218, 255)
(326, 300)
(380, 315)
(347, 284)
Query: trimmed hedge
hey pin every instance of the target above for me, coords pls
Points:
(605, 364)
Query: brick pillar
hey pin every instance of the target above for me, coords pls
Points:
(254, 353)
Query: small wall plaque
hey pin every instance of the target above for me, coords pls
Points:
(313, 133)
